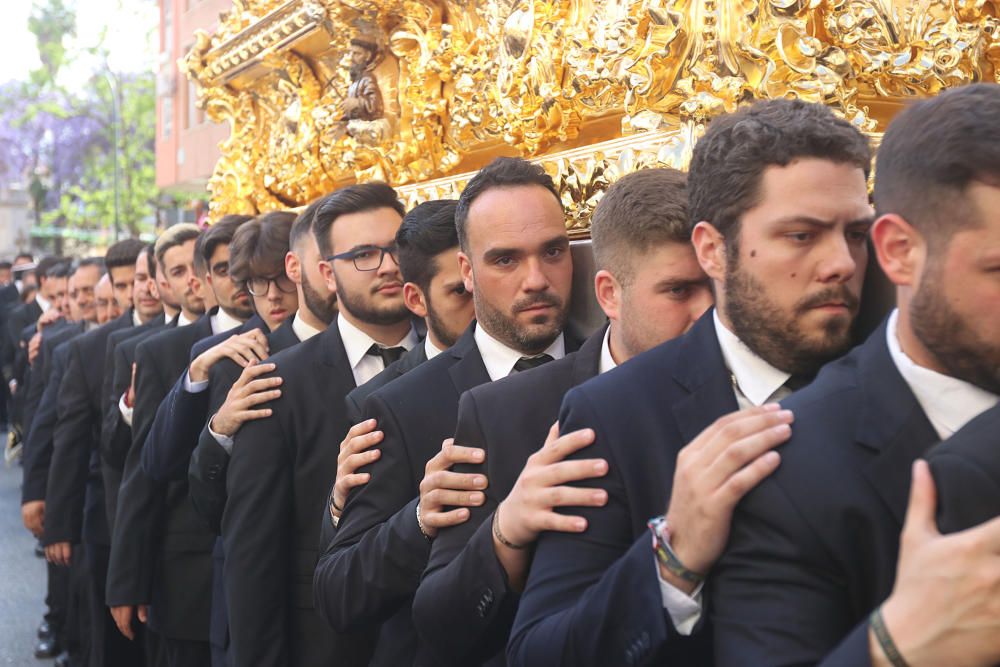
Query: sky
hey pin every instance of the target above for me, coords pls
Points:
(131, 37)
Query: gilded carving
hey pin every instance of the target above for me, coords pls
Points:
(419, 93)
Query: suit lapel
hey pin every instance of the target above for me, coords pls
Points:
(587, 360)
(469, 371)
(892, 423)
(701, 370)
(334, 355)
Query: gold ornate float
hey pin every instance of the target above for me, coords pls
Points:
(420, 93)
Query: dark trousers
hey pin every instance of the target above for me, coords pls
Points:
(108, 646)
(57, 601)
(184, 653)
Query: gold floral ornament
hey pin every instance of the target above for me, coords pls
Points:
(421, 93)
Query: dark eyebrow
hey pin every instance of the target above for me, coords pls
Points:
(825, 224)
(554, 242)
(674, 283)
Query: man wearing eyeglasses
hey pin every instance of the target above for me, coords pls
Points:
(280, 469)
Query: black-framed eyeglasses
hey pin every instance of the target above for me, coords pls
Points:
(367, 258)
(259, 286)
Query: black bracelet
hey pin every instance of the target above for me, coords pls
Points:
(884, 639)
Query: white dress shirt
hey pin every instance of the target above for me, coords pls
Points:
(948, 402)
(223, 321)
(357, 343)
(755, 382)
(136, 320)
(500, 359)
(430, 349)
(43, 303)
(182, 319)
(302, 330)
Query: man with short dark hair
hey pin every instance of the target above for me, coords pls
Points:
(519, 271)
(779, 208)
(280, 470)
(160, 555)
(74, 495)
(652, 289)
(810, 574)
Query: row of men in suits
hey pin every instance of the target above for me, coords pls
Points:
(439, 472)
(709, 524)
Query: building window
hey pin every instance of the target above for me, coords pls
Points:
(166, 117)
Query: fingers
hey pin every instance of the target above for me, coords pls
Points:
(444, 519)
(348, 482)
(748, 477)
(360, 443)
(571, 496)
(253, 371)
(740, 452)
(561, 447)
(738, 426)
(562, 523)
(445, 479)
(451, 454)
(143, 613)
(920, 510)
(362, 428)
(438, 497)
(353, 462)
(255, 398)
(123, 619)
(571, 471)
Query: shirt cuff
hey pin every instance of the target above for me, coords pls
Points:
(224, 440)
(125, 410)
(685, 610)
(194, 387)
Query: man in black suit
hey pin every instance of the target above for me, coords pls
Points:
(280, 469)
(434, 291)
(159, 554)
(519, 271)
(256, 260)
(652, 289)
(71, 495)
(778, 195)
(810, 574)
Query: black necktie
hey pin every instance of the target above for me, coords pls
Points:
(388, 354)
(527, 363)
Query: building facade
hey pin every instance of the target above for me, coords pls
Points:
(187, 142)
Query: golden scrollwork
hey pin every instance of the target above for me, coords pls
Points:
(420, 93)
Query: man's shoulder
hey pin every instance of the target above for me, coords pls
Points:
(552, 379)
(425, 379)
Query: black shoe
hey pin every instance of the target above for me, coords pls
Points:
(47, 648)
(45, 630)
(62, 660)
(39, 550)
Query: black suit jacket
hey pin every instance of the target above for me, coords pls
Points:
(277, 480)
(593, 598)
(813, 548)
(966, 469)
(464, 607)
(160, 551)
(75, 495)
(370, 572)
(37, 452)
(182, 414)
(409, 361)
(56, 333)
(209, 461)
(116, 435)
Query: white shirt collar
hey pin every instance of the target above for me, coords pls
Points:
(182, 319)
(302, 330)
(136, 320)
(42, 302)
(948, 402)
(756, 379)
(607, 361)
(430, 349)
(223, 321)
(357, 342)
(500, 359)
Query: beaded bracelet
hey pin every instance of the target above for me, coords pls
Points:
(420, 525)
(661, 545)
(500, 537)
